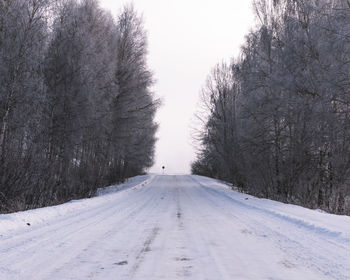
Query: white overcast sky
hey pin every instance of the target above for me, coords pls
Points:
(186, 39)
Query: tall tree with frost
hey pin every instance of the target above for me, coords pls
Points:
(292, 110)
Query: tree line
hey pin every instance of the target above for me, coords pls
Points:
(276, 120)
(76, 105)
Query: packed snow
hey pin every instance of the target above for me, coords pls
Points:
(174, 227)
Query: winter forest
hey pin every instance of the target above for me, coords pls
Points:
(175, 139)
(276, 121)
(77, 109)
(76, 106)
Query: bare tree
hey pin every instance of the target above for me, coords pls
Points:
(76, 108)
(292, 110)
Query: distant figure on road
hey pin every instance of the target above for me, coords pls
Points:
(163, 167)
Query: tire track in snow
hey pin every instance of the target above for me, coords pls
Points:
(64, 227)
(65, 221)
(63, 231)
(145, 249)
(298, 246)
(173, 228)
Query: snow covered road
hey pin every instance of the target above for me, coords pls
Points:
(174, 227)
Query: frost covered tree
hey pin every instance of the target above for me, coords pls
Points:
(292, 110)
(221, 127)
(23, 37)
(134, 107)
(77, 110)
(79, 70)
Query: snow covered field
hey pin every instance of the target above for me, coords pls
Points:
(174, 227)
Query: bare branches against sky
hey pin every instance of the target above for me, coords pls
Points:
(186, 39)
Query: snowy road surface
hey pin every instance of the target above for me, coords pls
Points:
(174, 227)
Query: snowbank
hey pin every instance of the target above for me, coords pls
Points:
(35, 217)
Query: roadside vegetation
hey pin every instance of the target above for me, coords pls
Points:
(76, 106)
(276, 120)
